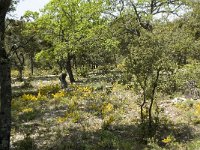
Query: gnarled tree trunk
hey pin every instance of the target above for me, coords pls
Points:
(5, 83)
(69, 68)
(155, 84)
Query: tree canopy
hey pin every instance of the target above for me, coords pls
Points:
(150, 47)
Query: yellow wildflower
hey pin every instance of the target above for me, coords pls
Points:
(198, 109)
(107, 107)
(168, 139)
(29, 97)
(26, 110)
(61, 119)
(58, 95)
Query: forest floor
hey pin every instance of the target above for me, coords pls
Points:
(94, 114)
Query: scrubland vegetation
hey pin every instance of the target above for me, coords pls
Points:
(133, 76)
(95, 114)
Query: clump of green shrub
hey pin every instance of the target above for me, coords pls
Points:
(49, 89)
(26, 144)
(83, 71)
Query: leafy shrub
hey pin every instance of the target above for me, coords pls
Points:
(194, 145)
(49, 89)
(104, 69)
(83, 71)
(26, 84)
(17, 104)
(73, 104)
(187, 79)
(14, 73)
(26, 144)
(28, 114)
(108, 140)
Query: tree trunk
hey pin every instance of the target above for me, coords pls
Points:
(20, 75)
(152, 99)
(5, 83)
(142, 106)
(144, 100)
(31, 64)
(60, 65)
(69, 69)
(5, 113)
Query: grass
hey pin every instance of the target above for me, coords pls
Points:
(96, 114)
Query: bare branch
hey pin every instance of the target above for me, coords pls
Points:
(14, 48)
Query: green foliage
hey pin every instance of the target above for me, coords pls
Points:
(26, 144)
(28, 114)
(194, 144)
(44, 56)
(188, 73)
(49, 89)
(83, 71)
(131, 52)
(148, 60)
(89, 117)
(69, 21)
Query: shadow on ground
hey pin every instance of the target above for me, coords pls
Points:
(119, 137)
